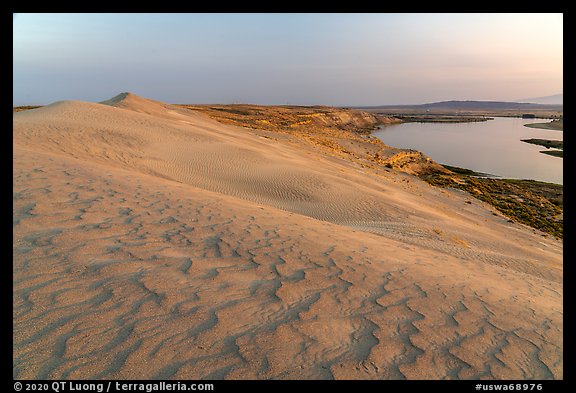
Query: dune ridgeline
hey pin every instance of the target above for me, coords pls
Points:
(152, 241)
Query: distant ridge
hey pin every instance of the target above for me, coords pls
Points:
(556, 99)
(471, 105)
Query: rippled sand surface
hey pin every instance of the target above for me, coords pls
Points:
(153, 242)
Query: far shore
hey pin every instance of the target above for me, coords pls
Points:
(555, 125)
(554, 153)
(547, 143)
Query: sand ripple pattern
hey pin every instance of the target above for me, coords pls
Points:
(149, 137)
(123, 275)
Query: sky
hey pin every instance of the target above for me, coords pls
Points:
(278, 59)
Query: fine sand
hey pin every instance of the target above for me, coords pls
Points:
(153, 242)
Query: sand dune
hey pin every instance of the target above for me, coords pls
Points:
(153, 242)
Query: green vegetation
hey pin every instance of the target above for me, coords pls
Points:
(233, 111)
(547, 143)
(533, 203)
(24, 108)
(464, 171)
(555, 153)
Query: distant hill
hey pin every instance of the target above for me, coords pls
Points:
(556, 99)
(493, 108)
(472, 105)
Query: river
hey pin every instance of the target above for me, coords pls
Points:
(492, 146)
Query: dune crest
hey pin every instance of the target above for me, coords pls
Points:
(151, 241)
(135, 103)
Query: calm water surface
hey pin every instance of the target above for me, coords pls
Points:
(493, 146)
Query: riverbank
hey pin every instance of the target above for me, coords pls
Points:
(556, 125)
(548, 144)
(418, 118)
(530, 202)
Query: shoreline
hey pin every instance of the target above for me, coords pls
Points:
(434, 118)
(556, 146)
(547, 143)
(554, 125)
(534, 203)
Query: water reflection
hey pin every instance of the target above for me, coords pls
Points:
(493, 146)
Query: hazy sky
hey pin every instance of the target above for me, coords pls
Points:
(306, 59)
